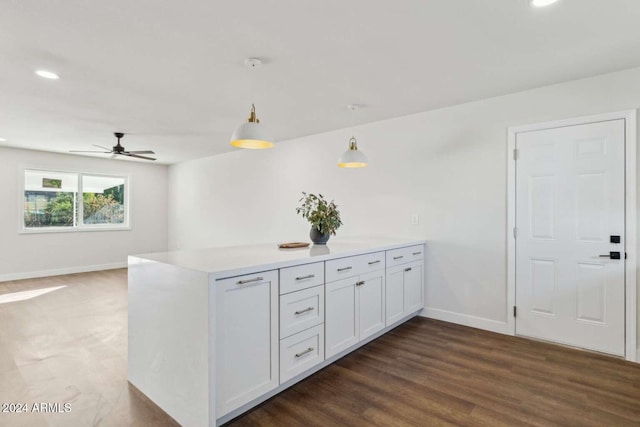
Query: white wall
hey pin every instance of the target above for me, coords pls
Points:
(44, 254)
(449, 166)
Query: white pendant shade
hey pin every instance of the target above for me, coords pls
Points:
(352, 158)
(252, 134)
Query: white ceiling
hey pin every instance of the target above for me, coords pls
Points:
(171, 74)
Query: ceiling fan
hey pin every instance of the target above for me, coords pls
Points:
(119, 150)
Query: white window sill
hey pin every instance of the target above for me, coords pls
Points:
(47, 230)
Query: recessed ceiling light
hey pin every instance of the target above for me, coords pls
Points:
(47, 74)
(542, 3)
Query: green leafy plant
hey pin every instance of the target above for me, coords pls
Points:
(323, 216)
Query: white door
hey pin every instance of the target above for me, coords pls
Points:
(570, 203)
(341, 316)
(371, 303)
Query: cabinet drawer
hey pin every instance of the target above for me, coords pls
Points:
(404, 255)
(342, 268)
(301, 277)
(300, 352)
(372, 262)
(301, 310)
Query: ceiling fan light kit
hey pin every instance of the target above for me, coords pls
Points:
(252, 134)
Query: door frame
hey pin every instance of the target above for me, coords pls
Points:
(629, 116)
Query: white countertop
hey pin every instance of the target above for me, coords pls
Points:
(239, 260)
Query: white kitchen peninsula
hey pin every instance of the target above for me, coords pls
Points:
(214, 332)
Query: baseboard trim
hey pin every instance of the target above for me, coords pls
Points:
(466, 320)
(61, 271)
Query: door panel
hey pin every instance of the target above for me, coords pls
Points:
(413, 287)
(371, 302)
(341, 317)
(569, 200)
(246, 339)
(543, 285)
(394, 294)
(592, 290)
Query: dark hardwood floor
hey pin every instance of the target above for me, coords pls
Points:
(70, 345)
(431, 373)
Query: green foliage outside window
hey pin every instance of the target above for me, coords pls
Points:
(48, 209)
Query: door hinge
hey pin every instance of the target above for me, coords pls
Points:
(515, 311)
(516, 154)
(515, 232)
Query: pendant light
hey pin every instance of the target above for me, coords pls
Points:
(352, 158)
(252, 134)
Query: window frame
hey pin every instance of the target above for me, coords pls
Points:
(80, 225)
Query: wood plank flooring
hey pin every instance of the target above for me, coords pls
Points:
(70, 345)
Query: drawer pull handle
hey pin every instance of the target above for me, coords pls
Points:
(310, 276)
(360, 283)
(374, 262)
(345, 268)
(307, 351)
(398, 257)
(417, 253)
(303, 311)
(244, 282)
(407, 269)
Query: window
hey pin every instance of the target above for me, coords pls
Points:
(74, 201)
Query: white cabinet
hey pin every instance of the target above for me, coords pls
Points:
(246, 339)
(211, 333)
(354, 310)
(404, 290)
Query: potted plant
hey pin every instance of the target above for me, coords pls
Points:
(323, 216)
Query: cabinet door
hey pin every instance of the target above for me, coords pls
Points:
(413, 287)
(341, 316)
(246, 339)
(371, 303)
(394, 294)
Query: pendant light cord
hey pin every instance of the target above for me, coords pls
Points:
(352, 107)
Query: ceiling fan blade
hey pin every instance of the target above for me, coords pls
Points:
(137, 156)
(93, 151)
(104, 148)
(141, 152)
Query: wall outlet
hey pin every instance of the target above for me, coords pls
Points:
(415, 219)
